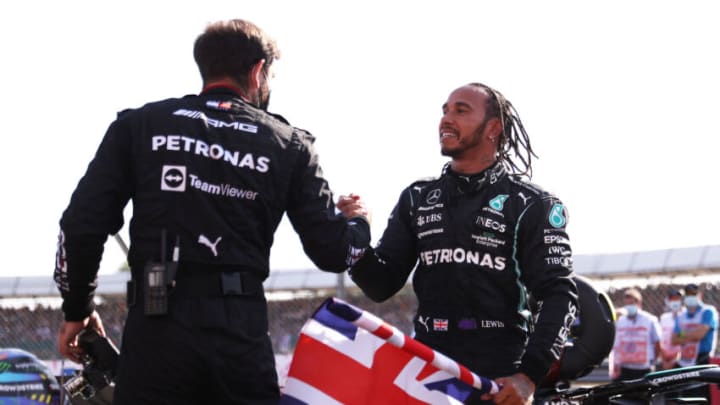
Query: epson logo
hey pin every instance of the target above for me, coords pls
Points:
(551, 239)
(460, 255)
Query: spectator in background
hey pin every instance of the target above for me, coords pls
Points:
(637, 340)
(696, 333)
(670, 352)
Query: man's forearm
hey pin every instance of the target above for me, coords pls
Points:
(696, 334)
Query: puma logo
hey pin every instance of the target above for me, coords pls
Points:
(424, 322)
(203, 240)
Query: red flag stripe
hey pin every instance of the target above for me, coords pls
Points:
(348, 381)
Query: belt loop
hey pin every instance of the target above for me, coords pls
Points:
(232, 283)
(130, 293)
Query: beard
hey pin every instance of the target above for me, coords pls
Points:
(473, 141)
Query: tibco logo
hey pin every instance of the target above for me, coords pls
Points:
(173, 178)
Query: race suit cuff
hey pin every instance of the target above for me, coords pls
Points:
(363, 226)
(76, 311)
(361, 218)
(534, 369)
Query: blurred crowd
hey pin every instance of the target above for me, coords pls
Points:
(682, 333)
(35, 329)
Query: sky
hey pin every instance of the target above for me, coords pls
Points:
(619, 99)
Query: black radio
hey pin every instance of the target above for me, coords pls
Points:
(159, 279)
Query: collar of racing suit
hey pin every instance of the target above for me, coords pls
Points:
(465, 184)
(222, 88)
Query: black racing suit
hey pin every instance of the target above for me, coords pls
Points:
(216, 175)
(478, 245)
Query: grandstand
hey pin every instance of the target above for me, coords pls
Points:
(30, 316)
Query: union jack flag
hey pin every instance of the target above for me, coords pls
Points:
(348, 356)
(440, 324)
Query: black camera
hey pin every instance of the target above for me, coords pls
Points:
(99, 360)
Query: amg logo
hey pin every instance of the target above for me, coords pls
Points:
(430, 207)
(459, 255)
(199, 115)
(182, 143)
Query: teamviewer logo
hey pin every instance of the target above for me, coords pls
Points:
(173, 178)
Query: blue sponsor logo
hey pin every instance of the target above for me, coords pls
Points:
(498, 202)
(557, 217)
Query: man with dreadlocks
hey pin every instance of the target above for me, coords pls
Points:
(481, 239)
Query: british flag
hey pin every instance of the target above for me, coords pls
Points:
(440, 325)
(348, 356)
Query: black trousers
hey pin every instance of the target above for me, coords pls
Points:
(210, 350)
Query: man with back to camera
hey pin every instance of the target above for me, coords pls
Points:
(637, 339)
(696, 333)
(480, 238)
(210, 176)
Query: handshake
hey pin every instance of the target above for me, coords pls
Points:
(352, 206)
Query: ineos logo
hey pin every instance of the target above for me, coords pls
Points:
(433, 196)
(173, 178)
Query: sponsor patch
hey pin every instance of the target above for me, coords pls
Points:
(498, 202)
(222, 189)
(219, 105)
(440, 325)
(488, 239)
(429, 232)
(462, 256)
(199, 115)
(557, 216)
(433, 196)
(430, 207)
(429, 218)
(491, 224)
(173, 178)
(214, 151)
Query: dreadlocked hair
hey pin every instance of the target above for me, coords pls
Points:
(514, 149)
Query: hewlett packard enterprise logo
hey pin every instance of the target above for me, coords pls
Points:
(173, 178)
